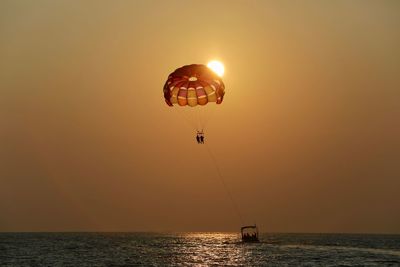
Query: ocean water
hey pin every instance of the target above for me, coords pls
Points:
(197, 249)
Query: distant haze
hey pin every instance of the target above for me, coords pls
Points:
(307, 138)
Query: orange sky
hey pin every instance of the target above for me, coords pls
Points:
(307, 138)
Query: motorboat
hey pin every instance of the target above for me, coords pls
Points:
(249, 233)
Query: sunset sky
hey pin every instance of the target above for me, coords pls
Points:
(307, 138)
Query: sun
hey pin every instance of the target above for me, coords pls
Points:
(217, 67)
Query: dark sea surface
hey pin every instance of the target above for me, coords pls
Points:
(198, 249)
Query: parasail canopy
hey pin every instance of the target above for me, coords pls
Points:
(193, 85)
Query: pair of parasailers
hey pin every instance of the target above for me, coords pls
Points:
(200, 137)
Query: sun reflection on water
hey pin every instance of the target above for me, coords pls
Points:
(204, 249)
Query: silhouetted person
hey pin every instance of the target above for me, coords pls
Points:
(198, 138)
(202, 139)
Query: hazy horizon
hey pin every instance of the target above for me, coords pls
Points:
(307, 138)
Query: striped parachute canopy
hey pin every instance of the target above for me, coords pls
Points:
(193, 85)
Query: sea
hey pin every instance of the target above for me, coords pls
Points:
(197, 249)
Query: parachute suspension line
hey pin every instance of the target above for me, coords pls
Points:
(228, 192)
(188, 120)
(203, 116)
(208, 117)
(198, 120)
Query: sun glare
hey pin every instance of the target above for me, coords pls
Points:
(217, 67)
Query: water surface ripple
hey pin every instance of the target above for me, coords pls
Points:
(196, 249)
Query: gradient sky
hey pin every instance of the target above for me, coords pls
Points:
(307, 138)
